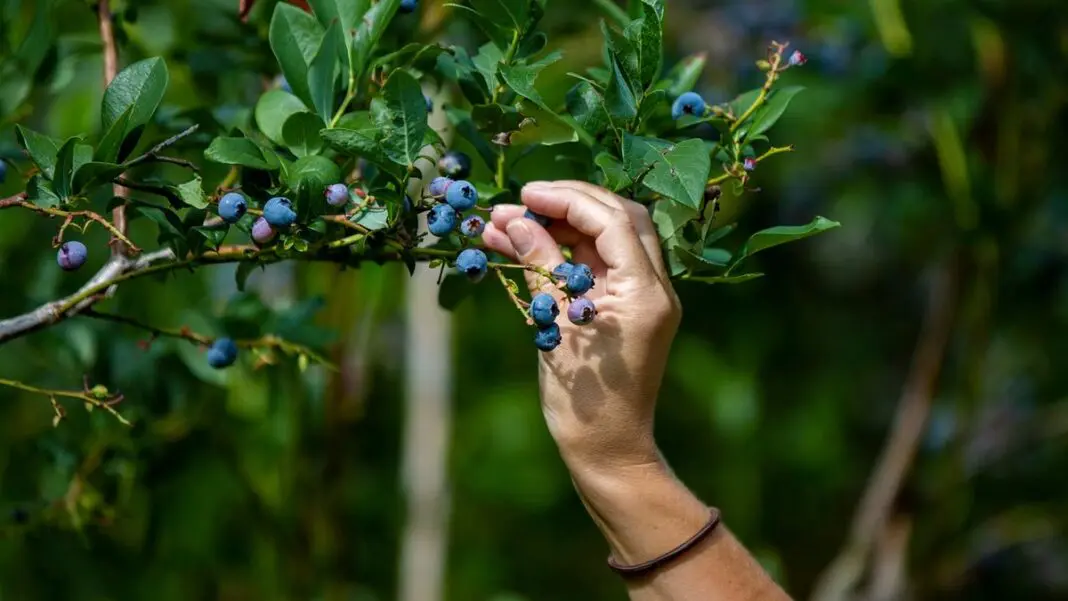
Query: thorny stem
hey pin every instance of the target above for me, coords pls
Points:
(82, 395)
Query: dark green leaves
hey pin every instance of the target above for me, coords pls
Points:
(645, 37)
(295, 37)
(323, 71)
(770, 111)
(238, 151)
(138, 89)
(683, 76)
(93, 174)
(192, 194)
(272, 110)
(301, 134)
(356, 143)
(678, 171)
(41, 148)
(782, 234)
(309, 176)
(521, 78)
(371, 29)
(619, 98)
(404, 119)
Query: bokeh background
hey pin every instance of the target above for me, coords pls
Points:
(934, 130)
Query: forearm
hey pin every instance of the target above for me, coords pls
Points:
(644, 512)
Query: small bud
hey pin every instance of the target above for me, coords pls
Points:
(763, 65)
(749, 164)
(797, 59)
(100, 392)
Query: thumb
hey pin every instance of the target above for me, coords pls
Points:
(534, 246)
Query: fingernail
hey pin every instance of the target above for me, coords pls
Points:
(521, 236)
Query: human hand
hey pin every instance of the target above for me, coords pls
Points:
(599, 387)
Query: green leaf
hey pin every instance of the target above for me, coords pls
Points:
(309, 176)
(64, 174)
(510, 14)
(370, 31)
(724, 279)
(322, 73)
(461, 120)
(372, 218)
(41, 148)
(742, 103)
(454, 290)
(782, 234)
(645, 36)
(521, 78)
(359, 143)
(586, 104)
(301, 134)
(138, 89)
(213, 235)
(683, 76)
(93, 174)
(39, 191)
(620, 50)
(678, 171)
(487, 61)
(546, 128)
(696, 263)
(404, 119)
(295, 36)
(619, 99)
(670, 218)
(774, 107)
(244, 269)
(237, 151)
(192, 193)
(108, 149)
(615, 176)
(272, 110)
(495, 118)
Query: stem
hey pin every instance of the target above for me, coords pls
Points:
(509, 286)
(350, 93)
(153, 153)
(83, 396)
(111, 68)
(16, 201)
(776, 61)
(501, 175)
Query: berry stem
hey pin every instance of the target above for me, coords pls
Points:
(18, 201)
(81, 395)
(775, 60)
(510, 287)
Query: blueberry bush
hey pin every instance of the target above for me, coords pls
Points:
(331, 166)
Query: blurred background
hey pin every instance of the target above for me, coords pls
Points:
(883, 416)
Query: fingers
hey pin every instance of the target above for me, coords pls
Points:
(612, 229)
(531, 245)
(639, 216)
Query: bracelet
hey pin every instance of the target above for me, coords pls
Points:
(653, 564)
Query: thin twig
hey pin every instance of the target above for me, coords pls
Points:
(111, 69)
(152, 154)
(840, 579)
(510, 288)
(102, 400)
(18, 201)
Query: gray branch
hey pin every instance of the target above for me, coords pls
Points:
(49, 313)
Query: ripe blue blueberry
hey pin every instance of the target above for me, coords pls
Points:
(438, 186)
(429, 104)
(689, 103)
(337, 195)
(408, 6)
(563, 270)
(441, 220)
(580, 280)
(472, 263)
(548, 338)
(541, 220)
(222, 353)
(455, 164)
(749, 164)
(581, 311)
(797, 58)
(543, 309)
(473, 226)
(72, 255)
(461, 195)
(279, 212)
(232, 207)
(262, 232)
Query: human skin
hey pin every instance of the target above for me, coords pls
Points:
(599, 391)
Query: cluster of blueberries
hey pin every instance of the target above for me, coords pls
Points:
(578, 280)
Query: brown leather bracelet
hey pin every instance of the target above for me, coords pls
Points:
(644, 568)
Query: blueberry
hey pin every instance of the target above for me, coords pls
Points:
(472, 263)
(438, 186)
(223, 353)
(473, 226)
(455, 164)
(72, 255)
(408, 6)
(563, 270)
(581, 311)
(3, 171)
(262, 232)
(407, 207)
(541, 220)
(580, 280)
(797, 58)
(429, 103)
(543, 309)
(548, 338)
(232, 207)
(279, 212)
(749, 164)
(337, 195)
(461, 195)
(689, 103)
(441, 220)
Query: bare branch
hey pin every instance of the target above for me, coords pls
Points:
(111, 69)
(98, 397)
(839, 580)
(18, 201)
(153, 153)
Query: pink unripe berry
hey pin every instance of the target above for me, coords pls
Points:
(797, 58)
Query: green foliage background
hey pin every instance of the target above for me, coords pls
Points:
(931, 134)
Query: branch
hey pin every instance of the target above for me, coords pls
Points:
(840, 579)
(98, 396)
(111, 68)
(243, 9)
(152, 154)
(18, 200)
